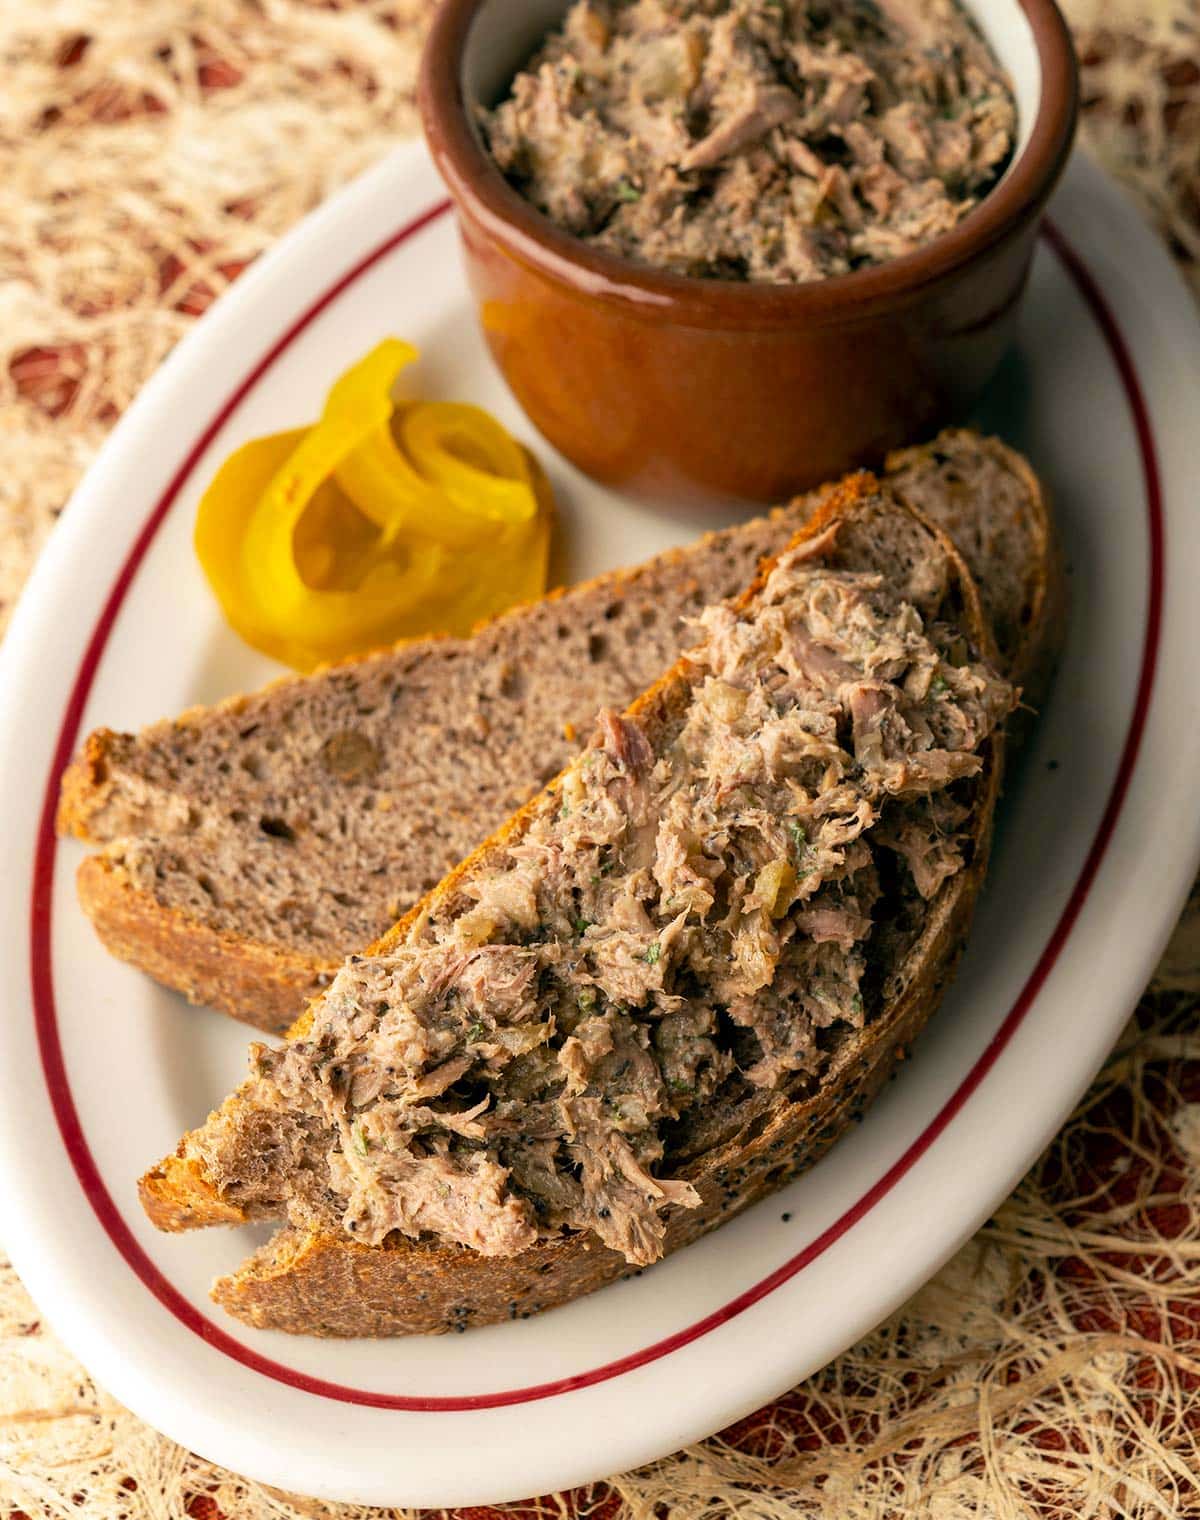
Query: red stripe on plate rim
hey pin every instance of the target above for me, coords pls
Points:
(45, 1013)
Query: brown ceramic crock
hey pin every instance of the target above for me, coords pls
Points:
(699, 390)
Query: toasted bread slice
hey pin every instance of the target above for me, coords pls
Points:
(248, 847)
(320, 1281)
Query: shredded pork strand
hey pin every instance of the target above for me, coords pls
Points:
(683, 909)
(780, 140)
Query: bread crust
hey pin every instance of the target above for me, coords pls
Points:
(328, 1285)
(84, 783)
(260, 984)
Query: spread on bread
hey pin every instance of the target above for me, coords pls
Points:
(241, 854)
(666, 984)
(683, 921)
(781, 140)
(380, 521)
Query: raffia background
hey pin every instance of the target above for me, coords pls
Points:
(149, 149)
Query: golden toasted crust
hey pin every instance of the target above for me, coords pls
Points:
(262, 984)
(83, 783)
(178, 1196)
(324, 1284)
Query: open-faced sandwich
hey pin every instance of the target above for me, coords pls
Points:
(668, 982)
(244, 850)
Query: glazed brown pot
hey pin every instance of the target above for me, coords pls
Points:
(699, 390)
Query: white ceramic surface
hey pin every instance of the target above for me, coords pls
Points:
(1098, 840)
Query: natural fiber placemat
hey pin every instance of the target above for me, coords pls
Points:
(148, 150)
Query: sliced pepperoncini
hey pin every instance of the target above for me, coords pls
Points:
(381, 521)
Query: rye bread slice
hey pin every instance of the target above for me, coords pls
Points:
(323, 1283)
(248, 847)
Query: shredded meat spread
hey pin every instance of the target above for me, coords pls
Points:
(696, 900)
(780, 140)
